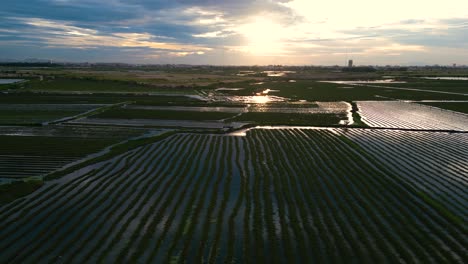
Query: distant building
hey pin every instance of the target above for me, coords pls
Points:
(454, 65)
(350, 63)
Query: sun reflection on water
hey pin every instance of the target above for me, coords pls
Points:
(260, 99)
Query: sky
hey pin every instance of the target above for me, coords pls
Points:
(237, 32)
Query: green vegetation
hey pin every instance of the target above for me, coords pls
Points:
(319, 91)
(123, 113)
(32, 117)
(99, 98)
(291, 119)
(311, 91)
(113, 151)
(310, 195)
(51, 146)
(356, 116)
(297, 195)
(16, 189)
(83, 85)
(461, 107)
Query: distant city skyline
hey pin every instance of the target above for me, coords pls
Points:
(262, 32)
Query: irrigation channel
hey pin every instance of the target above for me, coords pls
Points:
(276, 195)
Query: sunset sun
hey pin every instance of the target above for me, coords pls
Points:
(263, 36)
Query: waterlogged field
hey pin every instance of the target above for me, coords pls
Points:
(36, 151)
(441, 84)
(356, 90)
(268, 194)
(406, 153)
(276, 195)
(316, 113)
(26, 156)
(397, 114)
(128, 113)
(35, 114)
(76, 131)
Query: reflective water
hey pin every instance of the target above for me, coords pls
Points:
(10, 81)
(386, 81)
(229, 89)
(277, 73)
(447, 78)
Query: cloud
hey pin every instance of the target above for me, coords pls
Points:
(62, 34)
(224, 31)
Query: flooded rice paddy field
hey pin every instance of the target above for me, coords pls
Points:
(158, 123)
(446, 78)
(17, 114)
(190, 108)
(76, 131)
(383, 81)
(398, 114)
(312, 107)
(36, 151)
(49, 107)
(271, 194)
(285, 195)
(29, 156)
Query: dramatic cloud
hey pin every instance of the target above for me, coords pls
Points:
(236, 32)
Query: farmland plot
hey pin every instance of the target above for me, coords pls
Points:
(46, 149)
(27, 114)
(397, 114)
(284, 195)
(76, 131)
(431, 161)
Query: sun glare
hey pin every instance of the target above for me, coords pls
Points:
(260, 99)
(263, 36)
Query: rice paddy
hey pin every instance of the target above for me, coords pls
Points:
(276, 195)
(245, 165)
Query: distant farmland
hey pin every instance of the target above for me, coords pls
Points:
(276, 195)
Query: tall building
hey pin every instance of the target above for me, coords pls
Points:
(350, 63)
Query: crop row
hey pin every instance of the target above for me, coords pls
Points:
(278, 195)
(396, 114)
(28, 166)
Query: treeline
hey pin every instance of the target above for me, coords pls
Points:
(29, 64)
